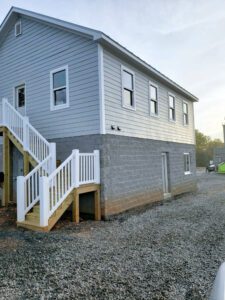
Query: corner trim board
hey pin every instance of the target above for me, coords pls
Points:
(101, 89)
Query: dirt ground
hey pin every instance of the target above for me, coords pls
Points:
(171, 250)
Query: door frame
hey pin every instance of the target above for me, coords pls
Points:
(165, 174)
(15, 100)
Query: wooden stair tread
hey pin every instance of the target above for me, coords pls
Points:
(32, 218)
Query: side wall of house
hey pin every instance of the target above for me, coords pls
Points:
(139, 123)
(29, 58)
(131, 169)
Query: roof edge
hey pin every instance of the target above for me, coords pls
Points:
(99, 37)
(94, 34)
(106, 39)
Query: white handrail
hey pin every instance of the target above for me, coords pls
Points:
(13, 120)
(77, 169)
(32, 141)
(32, 183)
(61, 182)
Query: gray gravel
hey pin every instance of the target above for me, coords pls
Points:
(168, 251)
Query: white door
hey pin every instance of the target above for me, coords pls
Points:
(165, 174)
(20, 99)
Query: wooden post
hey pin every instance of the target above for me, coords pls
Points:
(97, 205)
(76, 207)
(6, 168)
(26, 169)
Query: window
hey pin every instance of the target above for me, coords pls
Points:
(20, 96)
(128, 88)
(18, 28)
(153, 100)
(187, 163)
(172, 115)
(185, 113)
(59, 88)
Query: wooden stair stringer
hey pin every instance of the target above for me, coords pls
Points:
(19, 146)
(60, 210)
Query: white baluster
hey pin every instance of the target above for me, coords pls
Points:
(25, 133)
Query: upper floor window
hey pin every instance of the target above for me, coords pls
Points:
(128, 88)
(172, 114)
(185, 113)
(18, 28)
(187, 163)
(153, 100)
(59, 88)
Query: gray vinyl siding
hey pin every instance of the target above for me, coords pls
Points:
(139, 123)
(30, 57)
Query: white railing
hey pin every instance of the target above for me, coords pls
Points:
(32, 141)
(55, 188)
(13, 120)
(28, 188)
(87, 168)
(45, 183)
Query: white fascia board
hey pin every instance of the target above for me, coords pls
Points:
(105, 39)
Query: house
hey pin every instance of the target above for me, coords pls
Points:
(70, 89)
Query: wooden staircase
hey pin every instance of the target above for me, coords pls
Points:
(32, 219)
(47, 191)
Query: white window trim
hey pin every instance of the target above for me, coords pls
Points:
(62, 106)
(184, 102)
(189, 154)
(123, 68)
(175, 115)
(149, 90)
(18, 23)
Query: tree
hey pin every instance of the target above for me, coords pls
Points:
(204, 148)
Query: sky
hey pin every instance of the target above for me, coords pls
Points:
(183, 39)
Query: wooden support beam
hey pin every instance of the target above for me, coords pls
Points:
(97, 205)
(32, 161)
(26, 165)
(6, 168)
(76, 207)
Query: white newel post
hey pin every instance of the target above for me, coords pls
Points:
(53, 155)
(75, 168)
(97, 166)
(25, 133)
(21, 198)
(44, 201)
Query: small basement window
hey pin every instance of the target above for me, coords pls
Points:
(59, 88)
(187, 163)
(18, 28)
(153, 100)
(172, 114)
(128, 88)
(185, 113)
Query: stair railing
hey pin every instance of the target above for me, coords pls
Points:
(28, 188)
(77, 169)
(31, 140)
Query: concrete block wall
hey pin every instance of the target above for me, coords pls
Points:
(131, 170)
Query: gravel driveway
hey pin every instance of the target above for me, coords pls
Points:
(170, 251)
